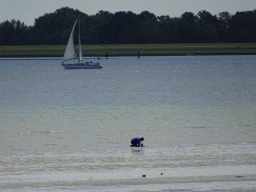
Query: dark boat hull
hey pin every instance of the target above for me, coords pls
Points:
(81, 66)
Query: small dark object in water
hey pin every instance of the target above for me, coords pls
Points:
(239, 176)
(143, 175)
(161, 173)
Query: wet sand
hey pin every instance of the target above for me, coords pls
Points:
(226, 182)
(126, 180)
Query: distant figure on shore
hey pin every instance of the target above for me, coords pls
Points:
(135, 142)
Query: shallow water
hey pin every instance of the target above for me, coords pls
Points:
(195, 113)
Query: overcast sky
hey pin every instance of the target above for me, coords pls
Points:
(28, 10)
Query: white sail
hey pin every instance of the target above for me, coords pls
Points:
(80, 49)
(70, 52)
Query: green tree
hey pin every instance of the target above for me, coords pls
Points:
(97, 28)
(207, 24)
(188, 30)
(127, 27)
(224, 25)
(121, 27)
(151, 29)
(49, 27)
(243, 27)
(6, 32)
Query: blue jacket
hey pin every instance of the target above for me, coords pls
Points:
(136, 141)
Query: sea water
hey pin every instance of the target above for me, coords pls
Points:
(71, 129)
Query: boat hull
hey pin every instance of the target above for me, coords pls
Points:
(81, 66)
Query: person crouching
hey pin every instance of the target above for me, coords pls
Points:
(135, 142)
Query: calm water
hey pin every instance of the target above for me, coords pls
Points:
(70, 127)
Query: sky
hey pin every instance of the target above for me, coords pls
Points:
(28, 10)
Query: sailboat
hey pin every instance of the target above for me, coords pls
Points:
(70, 59)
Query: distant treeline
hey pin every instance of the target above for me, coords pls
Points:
(131, 28)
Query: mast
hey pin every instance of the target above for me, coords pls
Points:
(80, 49)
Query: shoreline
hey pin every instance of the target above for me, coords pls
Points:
(132, 50)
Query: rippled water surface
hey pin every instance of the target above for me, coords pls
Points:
(195, 113)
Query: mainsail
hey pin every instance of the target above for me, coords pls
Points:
(79, 43)
(70, 52)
